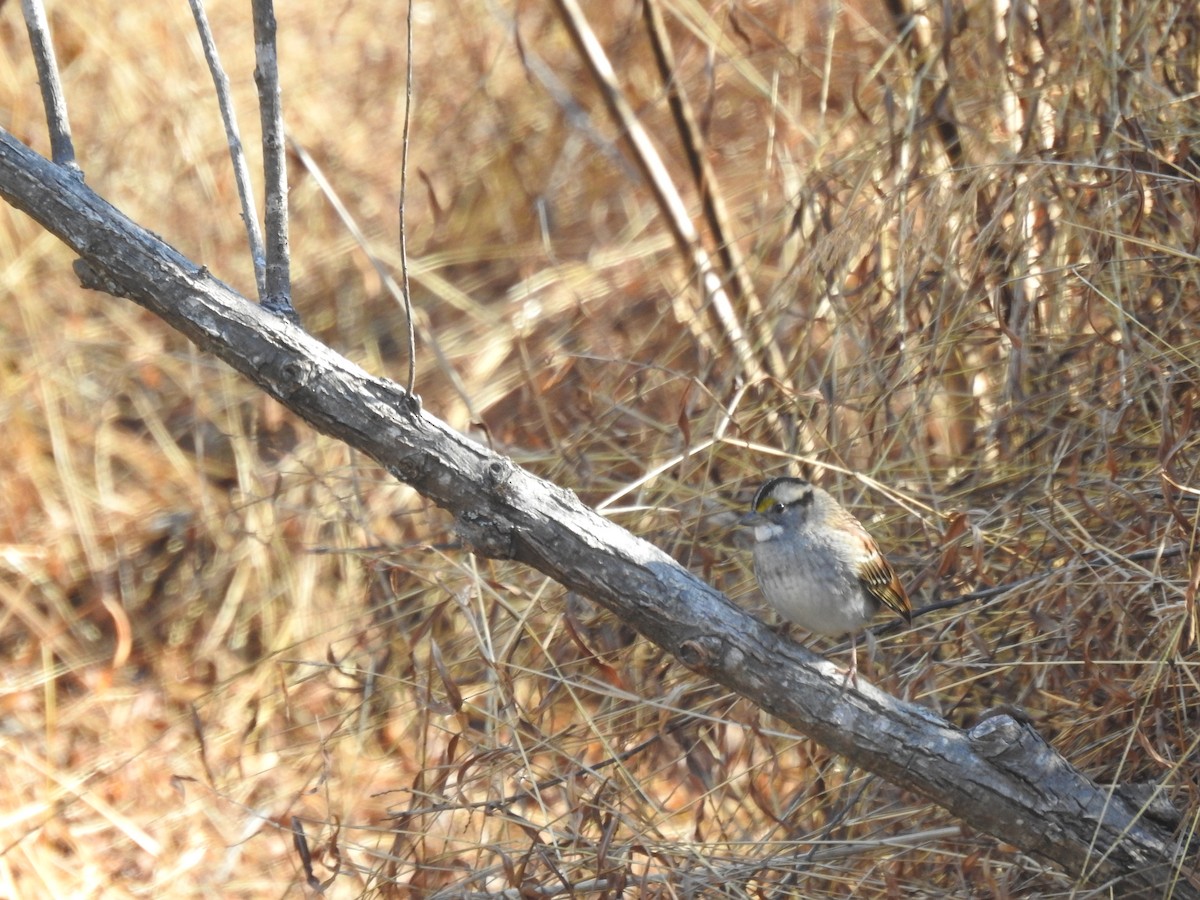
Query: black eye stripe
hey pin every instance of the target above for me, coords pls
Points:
(770, 497)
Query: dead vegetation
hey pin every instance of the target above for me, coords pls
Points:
(230, 643)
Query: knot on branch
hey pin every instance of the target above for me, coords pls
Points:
(409, 468)
(93, 278)
(488, 536)
(997, 735)
(294, 376)
(1019, 749)
(499, 473)
(707, 653)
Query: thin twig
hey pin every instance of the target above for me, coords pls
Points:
(500, 804)
(278, 296)
(62, 150)
(711, 198)
(428, 337)
(654, 171)
(929, 64)
(300, 842)
(408, 93)
(989, 593)
(241, 172)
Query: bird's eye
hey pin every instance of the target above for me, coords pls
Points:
(777, 507)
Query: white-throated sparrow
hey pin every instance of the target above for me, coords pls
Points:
(817, 565)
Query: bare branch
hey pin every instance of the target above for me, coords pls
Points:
(408, 96)
(716, 214)
(999, 776)
(654, 171)
(428, 337)
(278, 296)
(62, 150)
(241, 171)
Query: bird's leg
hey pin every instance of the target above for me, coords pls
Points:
(871, 645)
(852, 672)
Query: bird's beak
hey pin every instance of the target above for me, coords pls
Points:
(751, 519)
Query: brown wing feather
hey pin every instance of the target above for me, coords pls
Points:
(882, 583)
(877, 574)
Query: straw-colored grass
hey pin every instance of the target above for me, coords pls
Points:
(219, 627)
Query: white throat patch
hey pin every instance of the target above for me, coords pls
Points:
(768, 532)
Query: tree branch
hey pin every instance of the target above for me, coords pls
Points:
(237, 155)
(278, 275)
(999, 777)
(53, 99)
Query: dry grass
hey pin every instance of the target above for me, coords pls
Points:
(218, 626)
